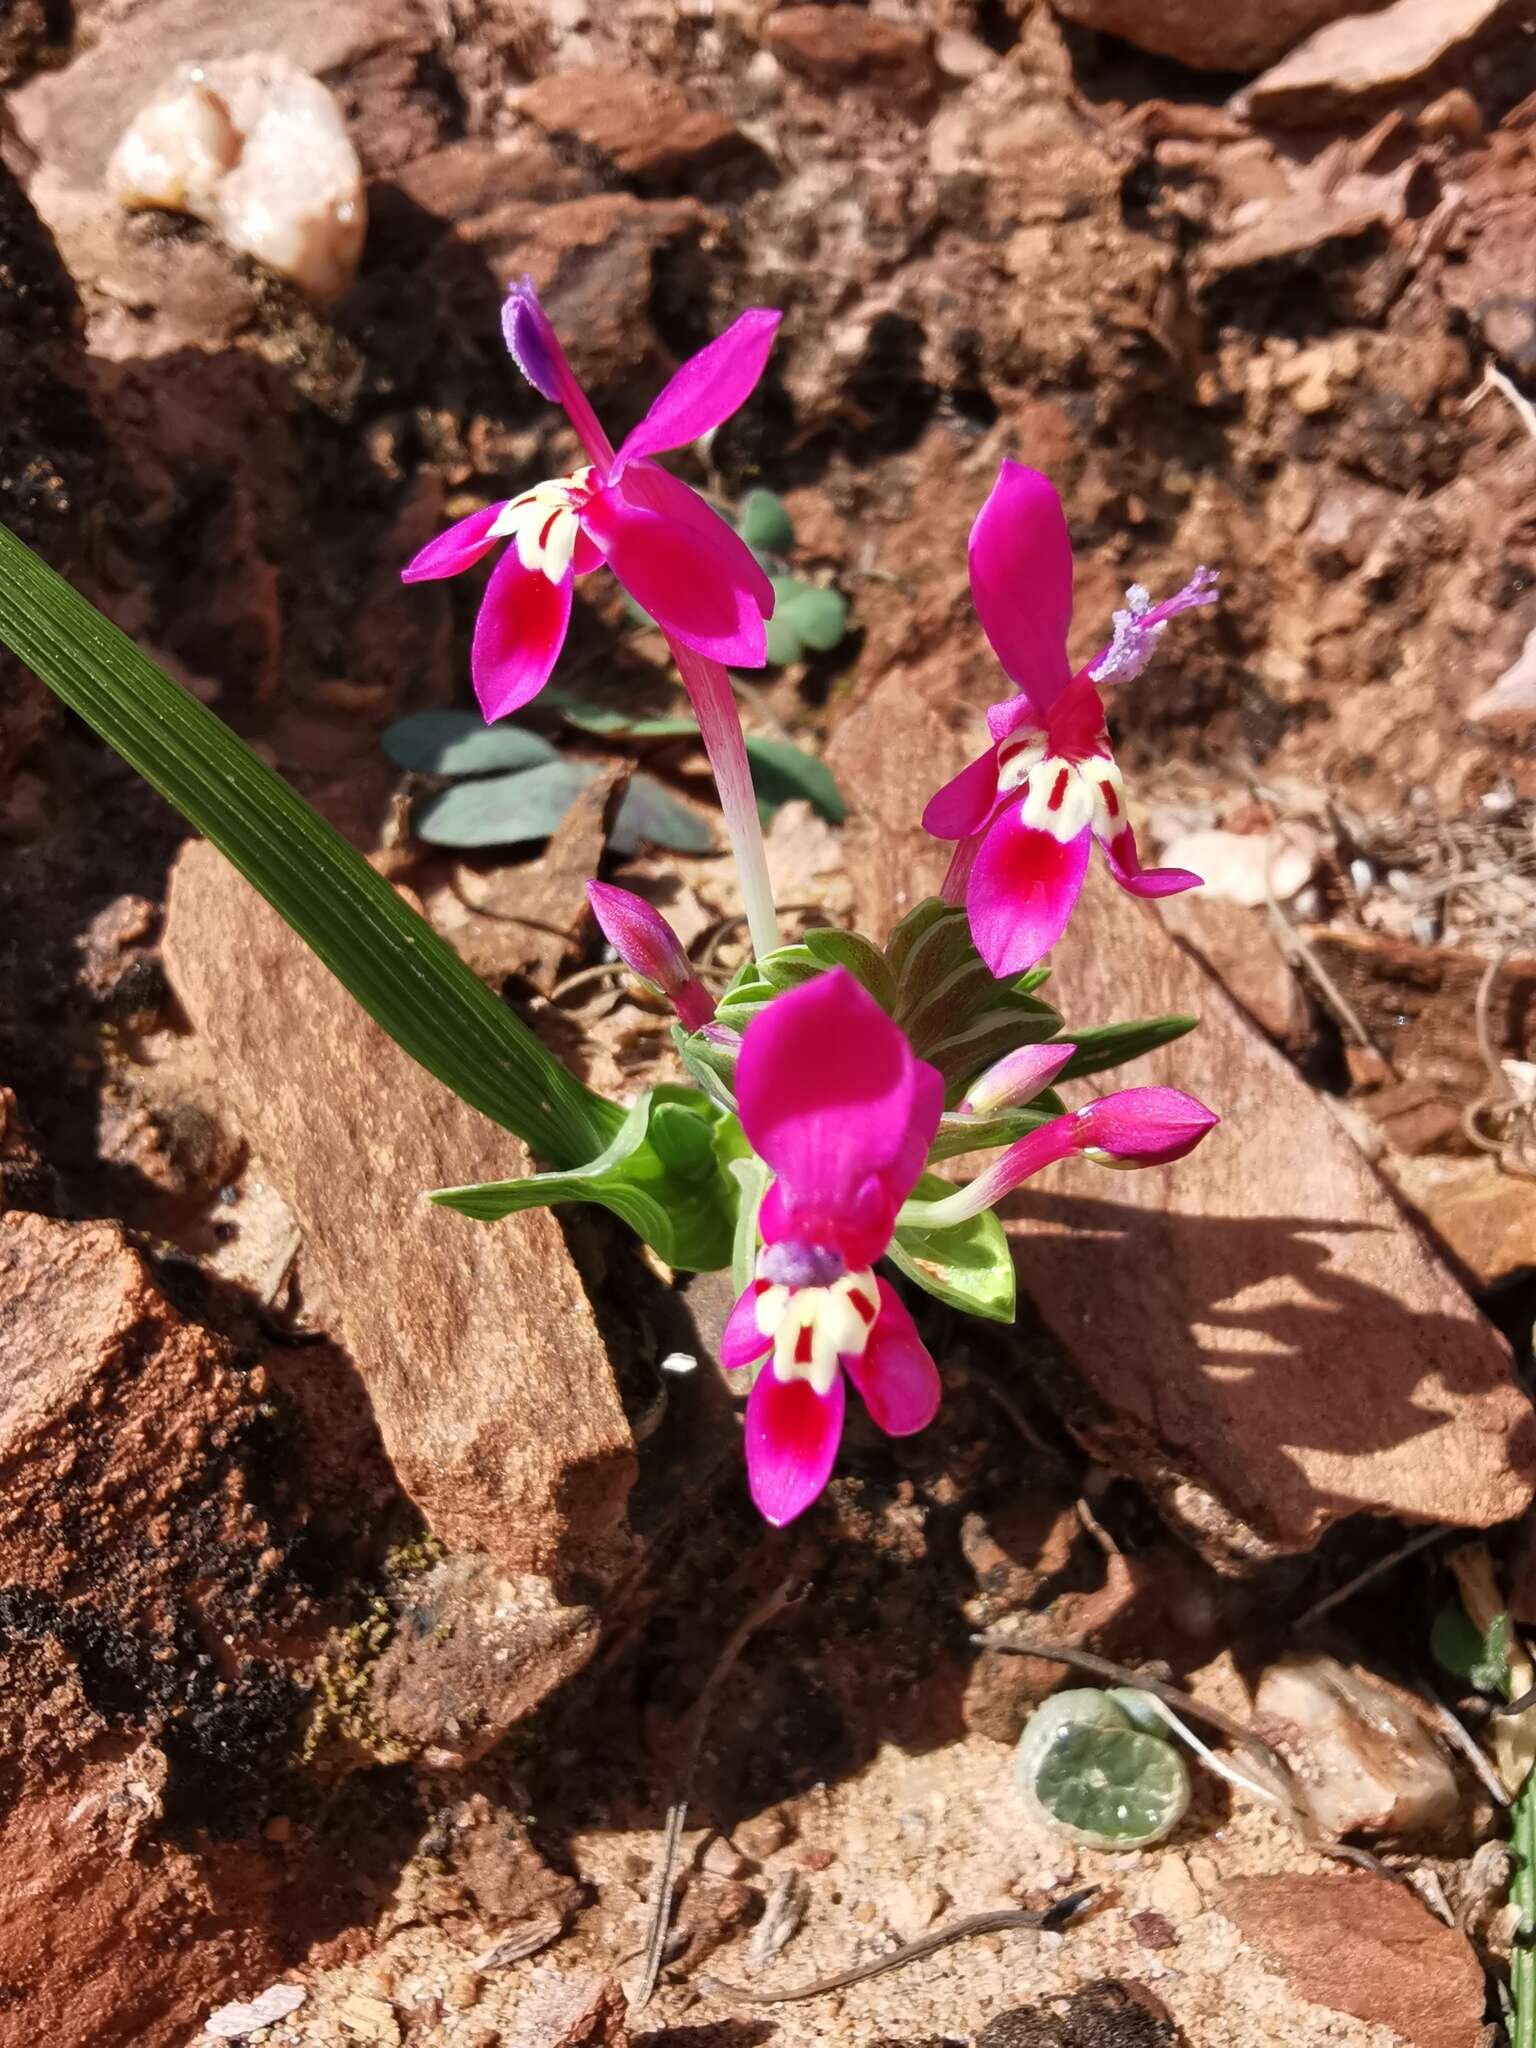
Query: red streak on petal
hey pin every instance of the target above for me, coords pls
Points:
(1111, 801)
(548, 527)
(761, 1286)
(803, 1345)
(865, 1308)
(1059, 790)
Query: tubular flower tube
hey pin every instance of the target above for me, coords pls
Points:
(649, 947)
(678, 559)
(1135, 1127)
(1026, 812)
(837, 1104)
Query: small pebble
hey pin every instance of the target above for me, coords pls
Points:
(278, 1829)
(721, 1859)
(1153, 1931)
(1172, 1891)
(464, 1990)
(762, 1834)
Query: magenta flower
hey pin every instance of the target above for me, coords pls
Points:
(649, 947)
(835, 1101)
(1133, 1127)
(678, 560)
(1027, 811)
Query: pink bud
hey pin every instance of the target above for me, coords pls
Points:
(1016, 1078)
(1142, 1127)
(649, 947)
(1136, 1127)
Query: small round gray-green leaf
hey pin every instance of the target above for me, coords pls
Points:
(764, 523)
(1102, 1781)
(650, 813)
(784, 643)
(818, 616)
(503, 810)
(781, 770)
(461, 743)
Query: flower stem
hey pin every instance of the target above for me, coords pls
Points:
(714, 706)
(1522, 1973)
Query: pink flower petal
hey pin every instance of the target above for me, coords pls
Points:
(459, 548)
(1021, 581)
(518, 635)
(792, 1436)
(706, 390)
(896, 1376)
(535, 348)
(741, 1340)
(698, 581)
(832, 1097)
(656, 489)
(1125, 865)
(903, 1172)
(1144, 1126)
(962, 805)
(1021, 892)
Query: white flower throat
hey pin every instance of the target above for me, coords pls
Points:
(544, 522)
(813, 1328)
(1061, 794)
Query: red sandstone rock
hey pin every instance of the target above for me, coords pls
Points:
(1363, 1945)
(1240, 37)
(843, 45)
(644, 126)
(490, 1382)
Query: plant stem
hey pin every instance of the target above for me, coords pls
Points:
(1522, 1969)
(714, 706)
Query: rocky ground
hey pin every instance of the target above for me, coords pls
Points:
(360, 1572)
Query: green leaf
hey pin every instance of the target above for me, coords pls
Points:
(1103, 1781)
(782, 771)
(651, 815)
(959, 1134)
(819, 616)
(764, 523)
(1111, 1045)
(969, 1265)
(510, 810)
(1461, 1648)
(784, 644)
(804, 616)
(461, 743)
(503, 810)
(408, 979)
(606, 722)
(664, 1174)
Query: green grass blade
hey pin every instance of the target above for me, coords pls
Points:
(408, 979)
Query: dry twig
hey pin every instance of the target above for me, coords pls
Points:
(958, 1930)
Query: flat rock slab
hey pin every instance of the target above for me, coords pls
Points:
(1364, 58)
(491, 1385)
(1271, 1341)
(1363, 1945)
(1260, 1335)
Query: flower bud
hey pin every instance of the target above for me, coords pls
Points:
(649, 947)
(1018, 1077)
(1142, 1127)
